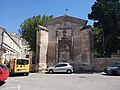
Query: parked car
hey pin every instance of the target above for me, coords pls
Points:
(114, 69)
(4, 73)
(61, 67)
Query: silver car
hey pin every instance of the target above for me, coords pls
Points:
(61, 67)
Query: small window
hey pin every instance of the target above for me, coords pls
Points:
(63, 65)
(19, 62)
(25, 62)
(26, 43)
(25, 50)
(58, 65)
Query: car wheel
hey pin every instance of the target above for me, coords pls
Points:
(69, 71)
(2, 82)
(50, 71)
(114, 72)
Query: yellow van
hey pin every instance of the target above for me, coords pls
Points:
(19, 65)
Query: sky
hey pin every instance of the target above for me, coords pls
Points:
(14, 12)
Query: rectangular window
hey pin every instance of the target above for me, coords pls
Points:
(22, 62)
(25, 50)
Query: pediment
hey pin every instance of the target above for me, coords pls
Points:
(68, 19)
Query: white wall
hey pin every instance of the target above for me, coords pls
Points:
(10, 47)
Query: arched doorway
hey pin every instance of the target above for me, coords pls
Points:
(64, 51)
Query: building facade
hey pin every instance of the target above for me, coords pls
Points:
(22, 43)
(8, 46)
(11, 45)
(70, 40)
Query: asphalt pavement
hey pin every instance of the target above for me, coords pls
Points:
(40, 81)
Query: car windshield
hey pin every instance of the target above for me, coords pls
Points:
(116, 65)
(22, 62)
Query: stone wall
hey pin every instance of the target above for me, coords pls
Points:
(84, 58)
(100, 63)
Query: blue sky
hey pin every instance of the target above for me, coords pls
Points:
(13, 12)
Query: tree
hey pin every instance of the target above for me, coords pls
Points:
(97, 42)
(28, 29)
(106, 16)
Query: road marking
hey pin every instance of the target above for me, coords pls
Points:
(8, 88)
(19, 87)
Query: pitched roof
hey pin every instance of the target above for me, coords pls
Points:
(66, 18)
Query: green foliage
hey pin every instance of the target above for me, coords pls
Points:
(97, 41)
(106, 14)
(28, 29)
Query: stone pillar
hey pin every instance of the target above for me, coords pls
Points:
(41, 48)
(56, 49)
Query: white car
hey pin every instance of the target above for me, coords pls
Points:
(61, 67)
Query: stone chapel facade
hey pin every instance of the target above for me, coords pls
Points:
(69, 40)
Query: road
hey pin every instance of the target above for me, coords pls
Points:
(38, 81)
